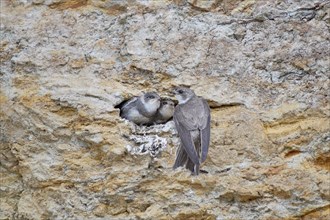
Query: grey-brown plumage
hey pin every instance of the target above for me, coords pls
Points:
(165, 111)
(192, 120)
(141, 110)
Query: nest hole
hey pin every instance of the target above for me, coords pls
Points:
(122, 104)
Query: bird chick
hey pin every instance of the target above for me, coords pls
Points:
(165, 111)
(141, 110)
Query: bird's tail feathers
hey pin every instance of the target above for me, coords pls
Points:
(181, 158)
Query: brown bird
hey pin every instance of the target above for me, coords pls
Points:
(192, 121)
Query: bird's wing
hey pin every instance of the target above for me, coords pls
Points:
(205, 131)
(183, 126)
(205, 139)
(129, 104)
(195, 114)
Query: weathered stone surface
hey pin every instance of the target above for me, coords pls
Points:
(263, 66)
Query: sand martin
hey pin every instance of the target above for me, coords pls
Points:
(141, 110)
(192, 121)
(165, 111)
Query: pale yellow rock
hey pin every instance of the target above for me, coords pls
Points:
(243, 6)
(203, 4)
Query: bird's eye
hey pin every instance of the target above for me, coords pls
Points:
(151, 97)
(164, 103)
(180, 91)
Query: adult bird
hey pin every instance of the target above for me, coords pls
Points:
(192, 121)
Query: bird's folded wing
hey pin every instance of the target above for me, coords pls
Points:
(205, 130)
(187, 117)
(205, 139)
(129, 104)
(183, 128)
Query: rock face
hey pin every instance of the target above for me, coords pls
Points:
(263, 66)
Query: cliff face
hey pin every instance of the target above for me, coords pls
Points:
(263, 66)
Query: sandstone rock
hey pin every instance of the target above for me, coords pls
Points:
(203, 5)
(262, 66)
